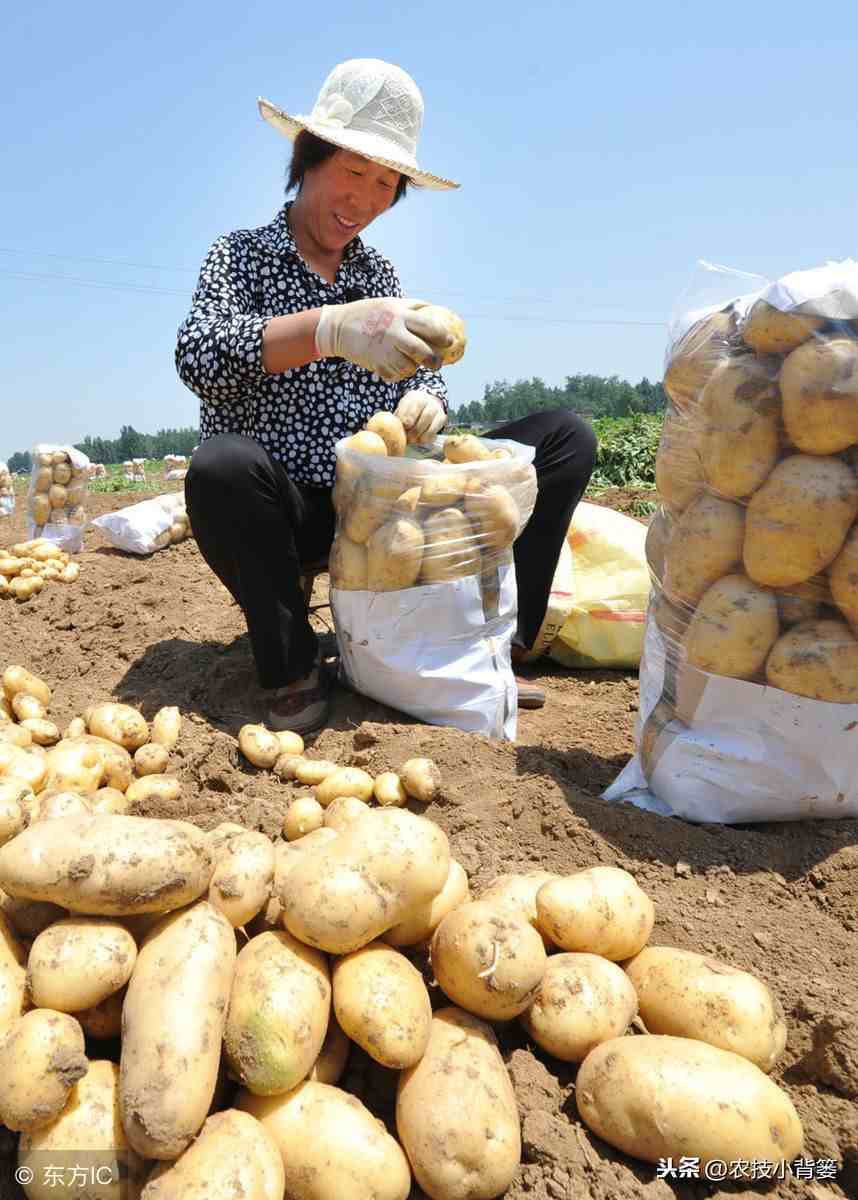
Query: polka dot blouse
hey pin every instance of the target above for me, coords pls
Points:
(248, 277)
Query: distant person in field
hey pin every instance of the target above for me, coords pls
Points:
(280, 319)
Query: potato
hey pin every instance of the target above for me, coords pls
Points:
(290, 743)
(344, 812)
(394, 555)
(345, 895)
(798, 521)
(454, 326)
(678, 469)
(88, 1131)
(286, 856)
(27, 765)
(62, 473)
(345, 781)
(165, 789)
(768, 330)
(464, 448)
(222, 835)
(258, 745)
(421, 779)
(391, 431)
(108, 865)
(494, 512)
(488, 960)
(117, 764)
(331, 1063)
(440, 490)
(843, 580)
(77, 962)
(381, 1002)
(41, 1059)
(76, 728)
(695, 357)
(172, 1025)
(733, 628)
(42, 732)
(422, 922)
(151, 759)
(28, 707)
(456, 1112)
(368, 511)
(57, 497)
(166, 727)
(518, 892)
(233, 1156)
(598, 911)
(19, 679)
(690, 995)
(388, 790)
(366, 442)
(54, 805)
(741, 418)
(660, 1097)
(347, 564)
(451, 548)
(104, 1021)
(286, 766)
(302, 816)
(705, 545)
(819, 381)
(108, 800)
(243, 876)
(818, 659)
(408, 502)
(16, 735)
(314, 770)
(13, 977)
(278, 1013)
(332, 1147)
(43, 479)
(74, 766)
(119, 723)
(583, 1000)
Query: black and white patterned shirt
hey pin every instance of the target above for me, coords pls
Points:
(247, 278)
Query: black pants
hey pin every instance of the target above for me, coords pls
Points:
(254, 527)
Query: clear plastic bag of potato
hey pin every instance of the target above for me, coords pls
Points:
(749, 684)
(56, 500)
(422, 583)
(7, 491)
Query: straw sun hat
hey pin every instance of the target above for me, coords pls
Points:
(371, 108)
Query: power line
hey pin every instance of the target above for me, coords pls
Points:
(112, 262)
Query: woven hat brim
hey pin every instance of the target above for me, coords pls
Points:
(291, 126)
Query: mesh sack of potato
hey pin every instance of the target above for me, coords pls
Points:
(749, 681)
(7, 492)
(56, 501)
(422, 583)
(148, 526)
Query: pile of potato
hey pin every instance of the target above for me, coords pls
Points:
(57, 489)
(175, 466)
(28, 566)
(237, 972)
(7, 491)
(405, 522)
(135, 470)
(755, 552)
(180, 528)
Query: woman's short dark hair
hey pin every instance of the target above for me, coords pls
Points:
(310, 151)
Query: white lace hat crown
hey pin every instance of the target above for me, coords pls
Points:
(370, 107)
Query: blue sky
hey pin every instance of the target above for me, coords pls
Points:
(602, 149)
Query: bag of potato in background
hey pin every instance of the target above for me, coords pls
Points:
(7, 492)
(148, 526)
(749, 681)
(423, 587)
(59, 483)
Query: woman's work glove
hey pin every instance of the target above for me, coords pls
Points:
(422, 414)
(390, 337)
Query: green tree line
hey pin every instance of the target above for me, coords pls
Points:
(129, 444)
(592, 396)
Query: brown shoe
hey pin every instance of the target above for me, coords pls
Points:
(302, 707)
(530, 695)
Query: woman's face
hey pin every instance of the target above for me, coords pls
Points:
(343, 195)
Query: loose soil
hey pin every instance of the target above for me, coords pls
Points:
(777, 899)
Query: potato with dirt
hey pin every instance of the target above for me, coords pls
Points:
(108, 865)
(332, 1146)
(598, 911)
(345, 781)
(819, 381)
(340, 897)
(705, 545)
(77, 962)
(696, 355)
(678, 469)
(119, 723)
(661, 1097)
(741, 417)
(41, 1059)
(381, 1002)
(279, 1007)
(233, 1157)
(818, 659)
(243, 877)
(488, 959)
(456, 1112)
(394, 555)
(685, 994)
(583, 1000)
(172, 1027)
(421, 923)
(733, 628)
